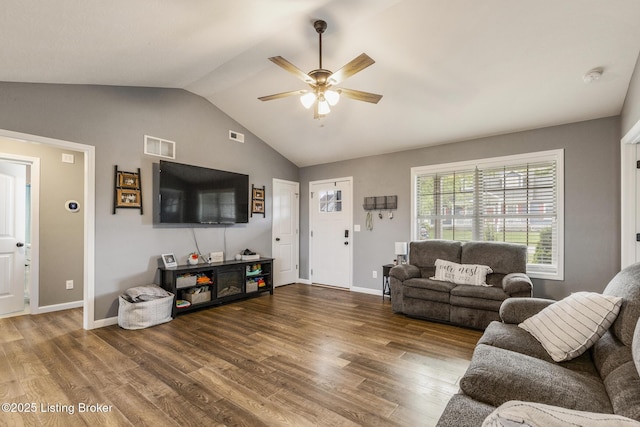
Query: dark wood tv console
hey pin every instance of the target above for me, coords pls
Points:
(207, 285)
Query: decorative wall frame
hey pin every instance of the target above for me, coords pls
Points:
(127, 190)
(257, 201)
(128, 180)
(128, 198)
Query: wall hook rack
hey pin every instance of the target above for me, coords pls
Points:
(380, 203)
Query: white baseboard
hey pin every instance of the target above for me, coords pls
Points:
(58, 307)
(352, 289)
(367, 291)
(114, 320)
(105, 322)
(76, 304)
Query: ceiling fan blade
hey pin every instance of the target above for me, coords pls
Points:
(282, 95)
(288, 66)
(358, 95)
(354, 66)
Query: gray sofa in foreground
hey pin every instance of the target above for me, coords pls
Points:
(415, 294)
(508, 364)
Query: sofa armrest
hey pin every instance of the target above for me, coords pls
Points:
(517, 285)
(517, 310)
(405, 272)
(533, 413)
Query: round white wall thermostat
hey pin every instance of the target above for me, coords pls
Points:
(72, 206)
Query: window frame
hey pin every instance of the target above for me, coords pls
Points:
(557, 156)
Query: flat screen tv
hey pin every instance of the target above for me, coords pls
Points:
(197, 195)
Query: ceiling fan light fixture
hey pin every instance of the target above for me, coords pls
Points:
(320, 80)
(308, 99)
(332, 97)
(323, 107)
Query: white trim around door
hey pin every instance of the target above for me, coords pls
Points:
(629, 195)
(628, 204)
(89, 214)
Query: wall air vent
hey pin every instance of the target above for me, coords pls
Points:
(159, 147)
(236, 136)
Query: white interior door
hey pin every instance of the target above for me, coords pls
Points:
(284, 232)
(330, 212)
(637, 204)
(12, 236)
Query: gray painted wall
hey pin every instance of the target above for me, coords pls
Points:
(592, 199)
(61, 232)
(631, 109)
(114, 120)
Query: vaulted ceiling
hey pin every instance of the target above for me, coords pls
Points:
(448, 70)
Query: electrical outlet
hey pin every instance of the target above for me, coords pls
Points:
(375, 274)
(69, 284)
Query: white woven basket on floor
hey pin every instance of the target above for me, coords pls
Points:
(139, 315)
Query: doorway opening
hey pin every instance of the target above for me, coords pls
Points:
(88, 239)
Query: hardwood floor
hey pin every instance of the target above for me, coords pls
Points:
(304, 356)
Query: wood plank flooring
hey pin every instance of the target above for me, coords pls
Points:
(305, 356)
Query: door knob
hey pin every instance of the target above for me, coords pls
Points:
(19, 244)
(277, 239)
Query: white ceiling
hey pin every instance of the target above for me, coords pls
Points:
(449, 70)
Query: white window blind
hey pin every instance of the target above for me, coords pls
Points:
(514, 199)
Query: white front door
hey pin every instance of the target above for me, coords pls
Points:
(330, 221)
(12, 236)
(284, 232)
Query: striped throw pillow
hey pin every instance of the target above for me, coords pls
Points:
(569, 327)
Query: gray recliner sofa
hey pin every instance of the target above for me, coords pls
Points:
(415, 294)
(509, 364)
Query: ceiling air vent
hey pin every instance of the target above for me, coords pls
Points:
(159, 147)
(236, 136)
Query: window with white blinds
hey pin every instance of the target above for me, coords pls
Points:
(515, 199)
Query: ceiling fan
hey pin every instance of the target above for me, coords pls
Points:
(322, 95)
